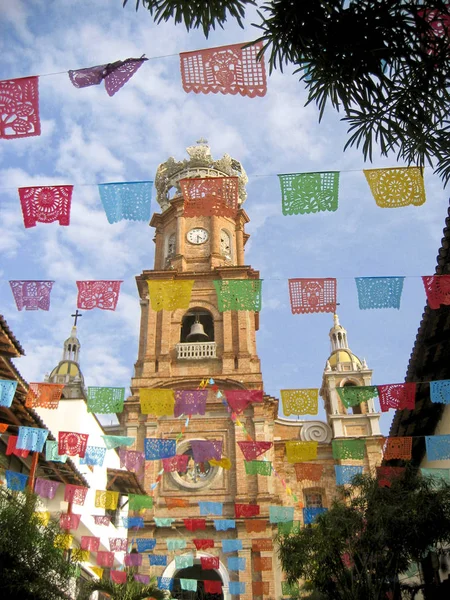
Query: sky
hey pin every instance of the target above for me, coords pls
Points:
(89, 138)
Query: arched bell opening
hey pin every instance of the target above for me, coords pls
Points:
(201, 575)
(197, 326)
(356, 410)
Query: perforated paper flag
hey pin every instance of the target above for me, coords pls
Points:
(176, 503)
(190, 402)
(114, 441)
(212, 587)
(203, 544)
(145, 544)
(204, 450)
(210, 196)
(233, 69)
(157, 560)
(106, 499)
(345, 473)
(438, 447)
(163, 521)
(175, 544)
(379, 292)
(209, 562)
(7, 391)
(354, 449)
(262, 563)
(102, 520)
(98, 571)
(184, 561)
(90, 542)
(72, 443)
(118, 576)
(308, 471)
(31, 438)
(46, 488)
(3, 427)
(95, 455)
(105, 400)
(129, 201)
(440, 391)
(238, 294)
(311, 514)
(396, 187)
(236, 587)
(303, 193)
(397, 395)
(252, 450)
(189, 585)
(114, 74)
(139, 501)
(51, 452)
(258, 467)
(398, 448)
(63, 541)
(231, 546)
(300, 402)
(437, 288)
(300, 451)
(210, 508)
(289, 527)
(178, 463)
(436, 475)
(236, 563)
(75, 494)
(133, 522)
(165, 583)
(224, 463)
(240, 399)
(246, 510)
(46, 204)
(170, 294)
(102, 294)
(255, 525)
(262, 545)
(290, 590)
(69, 521)
(156, 449)
(16, 481)
(281, 514)
(105, 559)
(45, 395)
(31, 295)
(79, 555)
(19, 108)
(353, 395)
(194, 524)
(132, 460)
(157, 402)
(11, 448)
(313, 295)
(260, 588)
(133, 560)
(224, 524)
(386, 475)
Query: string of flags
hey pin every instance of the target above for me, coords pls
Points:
(306, 295)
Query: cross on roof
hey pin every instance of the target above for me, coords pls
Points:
(77, 315)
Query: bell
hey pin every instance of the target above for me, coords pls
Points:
(197, 333)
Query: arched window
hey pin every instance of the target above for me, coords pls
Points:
(202, 316)
(171, 245)
(314, 498)
(356, 410)
(226, 249)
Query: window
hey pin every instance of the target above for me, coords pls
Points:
(225, 244)
(171, 246)
(313, 500)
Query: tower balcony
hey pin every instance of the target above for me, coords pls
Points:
(196, 350)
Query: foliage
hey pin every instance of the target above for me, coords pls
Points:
(131, 590)
(380, 62)
(31, 567)
(369, 537)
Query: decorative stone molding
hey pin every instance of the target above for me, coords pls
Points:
(316, 431)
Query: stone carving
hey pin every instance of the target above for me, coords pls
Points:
(316, 431)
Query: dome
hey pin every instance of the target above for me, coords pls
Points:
(66, 367)
(343, 356)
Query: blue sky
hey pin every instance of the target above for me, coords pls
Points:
(89, 138)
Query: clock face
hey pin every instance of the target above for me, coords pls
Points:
(198, 235)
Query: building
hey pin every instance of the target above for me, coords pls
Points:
(179, 349)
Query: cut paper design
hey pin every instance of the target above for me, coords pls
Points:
(213, 587)
(397, 395)
(190, 585)
(300, 402)
(158, 402)
(114, 74)
(79, 555)
(106, 499)
(379, 292)
(386, 475)
(238, 294)
(313, 295)
(190, 402)
(343, 449)
(311, 514)
(263, 563)
(398, 447)
(262, 545)
(308, 471)
(44, 395)
(203, 544)
(102, 520)
(11, 448)
(210, 508)
(157, 560)
(126, 201)
(31, 438)
(114, 441)
(194, 524)
(210, 196)
(105, 559)
(118, 576)
(90, 542)
(236, 587)
(16, 481)
(353, 395)
(46, 204)
(177, 463)
(438, 447)
(19, 108)
(72, 443)
(300, 451)
(252, 450)
(176, 503)
(165, 583)
(281, 514)
(290, 527)
(231, 546)
(396, 187)
(209, 562)
(255, 525)
(437, 475)
(240, 399)
(440, 391)
(246, 510)
(63, 541)
(156, 449)
(82, 78)
(224, 524)
(175, 544)
(105, 400)
(51, 452)
(290, 590)
(304, 193)
(75, 494)
(204, 450)
(69, 521)
(145, 544)
(184, 561)
(231, 69)
(139, 501)
(132, 460)
(133, 522)
(260, 588)
(95, 455)
(98, 571)
(169, 294)
(345, 473)
(258, 467)
(102, 294)
(31, 295)
(163, 521)
(3, 427)
(133, 560)
(7, 391)
(236, 563)
(437, 288)
(224, 463)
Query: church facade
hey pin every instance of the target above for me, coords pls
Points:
(180, 349)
